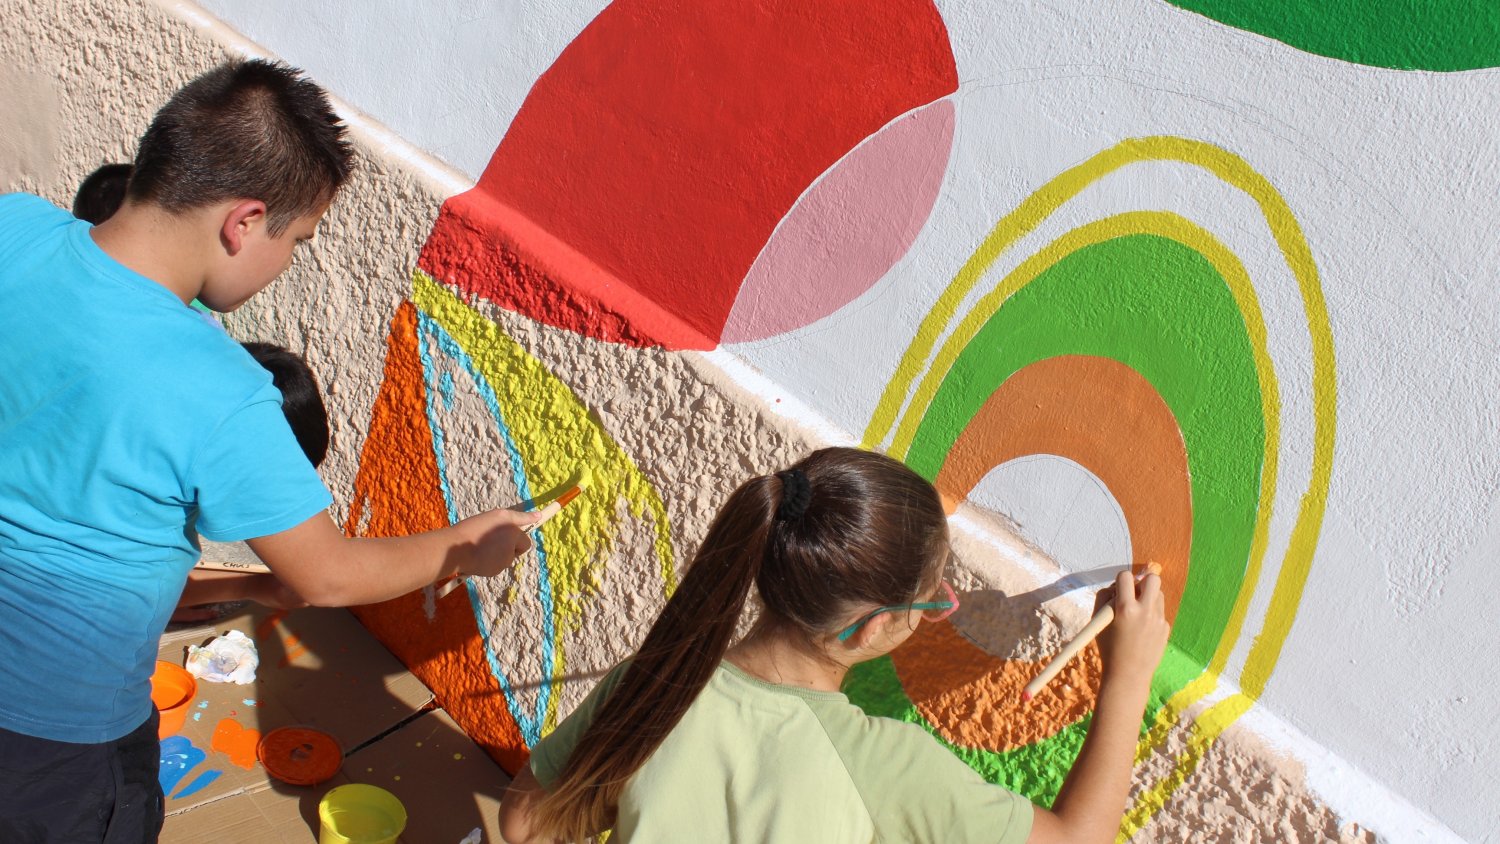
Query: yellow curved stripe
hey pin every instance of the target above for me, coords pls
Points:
(1228, 266)
(1295, 566)
(1232, 270)
(557, 434)
(1292, 578)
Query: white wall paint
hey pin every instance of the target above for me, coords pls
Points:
(448, 75)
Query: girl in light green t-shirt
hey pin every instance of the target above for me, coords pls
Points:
(694, 740)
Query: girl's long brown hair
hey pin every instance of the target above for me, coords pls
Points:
(873, 533)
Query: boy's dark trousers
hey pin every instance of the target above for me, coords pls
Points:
(54, 792)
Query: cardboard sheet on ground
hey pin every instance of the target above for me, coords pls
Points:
(318, 668)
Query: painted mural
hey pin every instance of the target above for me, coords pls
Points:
(1134, 346)
(446, 365)
(639, 183)
(1216, 262)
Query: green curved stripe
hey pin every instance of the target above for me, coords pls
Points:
(1160, 308)
(1442, 35)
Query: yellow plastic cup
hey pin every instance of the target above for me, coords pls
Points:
(360, 814)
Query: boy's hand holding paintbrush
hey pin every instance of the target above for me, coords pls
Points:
(551, 503)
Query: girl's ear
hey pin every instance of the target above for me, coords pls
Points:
(877, 634)
(242, 218)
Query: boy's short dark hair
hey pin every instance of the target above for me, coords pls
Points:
(101, 194)
(245, 130)
(300, 400)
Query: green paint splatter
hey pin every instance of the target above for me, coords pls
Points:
(1441, 35)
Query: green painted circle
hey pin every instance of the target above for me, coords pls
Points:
(1442, 35)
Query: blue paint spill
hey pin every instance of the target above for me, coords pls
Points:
(429, 329)
(198, 784)
(249, 701)
(203, 705)
(445, 388)
(178, 756)
(197, 716)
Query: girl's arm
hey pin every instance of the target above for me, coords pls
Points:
(523, 793)
(1092, 799)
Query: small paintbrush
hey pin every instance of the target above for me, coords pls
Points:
(551, 504)
(1090, 631)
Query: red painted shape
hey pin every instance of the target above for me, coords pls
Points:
(397, 492)
(650, 164)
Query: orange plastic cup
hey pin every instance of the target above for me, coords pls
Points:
(172, 690)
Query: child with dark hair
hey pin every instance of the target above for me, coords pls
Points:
(694, 740)
(101, 194)
(301, 402)
(129, 427)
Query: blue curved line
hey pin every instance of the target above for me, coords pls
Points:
(429, 328)
(425, 325)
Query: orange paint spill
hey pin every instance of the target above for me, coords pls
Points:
(397, 492)
(236, 742)
(974, 699)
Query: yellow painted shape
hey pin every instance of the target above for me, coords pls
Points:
(558, 439)
(1292, 577)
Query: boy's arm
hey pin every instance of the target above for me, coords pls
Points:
(328, 569)
(1092, 799)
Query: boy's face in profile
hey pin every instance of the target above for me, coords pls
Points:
(259, 261)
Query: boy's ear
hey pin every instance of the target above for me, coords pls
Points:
(243, 217)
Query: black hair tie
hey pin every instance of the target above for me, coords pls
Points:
(796, 494)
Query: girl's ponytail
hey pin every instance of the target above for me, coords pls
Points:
(673, 665)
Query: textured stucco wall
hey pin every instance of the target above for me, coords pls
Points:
(444, 404)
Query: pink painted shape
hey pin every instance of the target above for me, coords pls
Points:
(848, 229)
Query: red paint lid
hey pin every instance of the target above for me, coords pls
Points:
(300, 755)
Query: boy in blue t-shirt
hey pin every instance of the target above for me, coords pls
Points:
(211, 594)
(129, 427)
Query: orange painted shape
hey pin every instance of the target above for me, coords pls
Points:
(397, 492)
(233, 740)
(1106, 417)
(974, 699)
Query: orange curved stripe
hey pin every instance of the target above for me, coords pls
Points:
(398, 491)
(1106, 417)
(974, 699)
